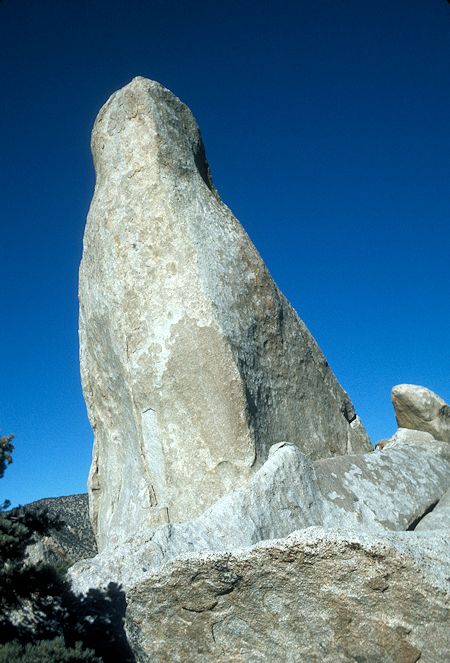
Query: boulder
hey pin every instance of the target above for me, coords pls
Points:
(389, 489)
(421, 409)
(193, 363)
(375, 492)
(318, 595)
(417, 437)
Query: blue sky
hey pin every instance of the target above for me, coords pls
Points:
(327, 130)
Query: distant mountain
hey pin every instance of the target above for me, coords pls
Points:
(75, 540)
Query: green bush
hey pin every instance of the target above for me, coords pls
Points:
(46, 651)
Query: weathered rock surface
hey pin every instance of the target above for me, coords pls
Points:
(421, 409)
(376, 492)
(193, 363)
(418, 437)
(75, 540)
(388, 489)
(315, 596)
(439, 517)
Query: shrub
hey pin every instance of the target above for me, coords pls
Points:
(46, 651)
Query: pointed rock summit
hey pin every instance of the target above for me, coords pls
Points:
(193, 363)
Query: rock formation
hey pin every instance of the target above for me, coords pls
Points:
(373, 492)
(220, 429)
(361, 575)
(419, 408)
(193, 363)
(319, 596)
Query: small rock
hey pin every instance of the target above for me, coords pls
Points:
(381, 444)
(421, 409)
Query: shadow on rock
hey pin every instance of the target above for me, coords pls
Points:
(97, 619)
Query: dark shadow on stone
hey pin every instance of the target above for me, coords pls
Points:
(348, 410)
(203, 166)
(415, 522)
(97, 620)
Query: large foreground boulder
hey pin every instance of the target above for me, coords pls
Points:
(376, 492)
(193, 363)
(421, 409)
(316, 596)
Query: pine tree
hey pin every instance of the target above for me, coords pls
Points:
(6, 449)
(41, 619)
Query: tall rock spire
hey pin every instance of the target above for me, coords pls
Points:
(193, 363)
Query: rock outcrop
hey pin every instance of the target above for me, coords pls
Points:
(196, 370)
(314, 596)
(375, 492)
(193, 363)
(421, 409)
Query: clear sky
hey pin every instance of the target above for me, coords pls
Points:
(327, 128)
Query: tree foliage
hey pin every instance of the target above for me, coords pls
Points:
(41, 619)
(6, 449)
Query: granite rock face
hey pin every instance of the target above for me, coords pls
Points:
(196, 370)
(193, 363)
(376, 492)
(314, 596)
(389, 489)
(74, 541)
(421, 409)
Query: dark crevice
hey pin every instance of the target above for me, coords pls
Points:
(445, 411)
(203, 166)
(348, 410)
(415, 522)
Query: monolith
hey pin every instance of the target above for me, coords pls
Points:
(193, 363)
